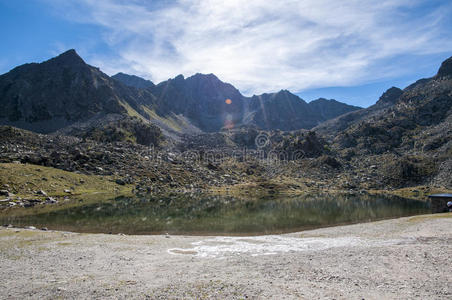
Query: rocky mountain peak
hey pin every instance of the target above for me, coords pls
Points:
(390, 96)
(204, 76)
(446, 68)
(68, 58)
(133, 81)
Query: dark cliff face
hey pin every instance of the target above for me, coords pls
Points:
(391, 96)
(286, 111)
(48, 96)
(330, 109)
(212, 105)
(414, 118)
(446, 68)
(133, 81)
(207, 101)
(63, 88)
(282, 110)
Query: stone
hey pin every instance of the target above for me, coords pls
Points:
(51, 200)
(41, 192)
(4, 193)
(67, 191)
(120, 181)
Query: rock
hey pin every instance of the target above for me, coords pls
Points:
(29, 204)
(67, 191)
(31, 227)
(51, 200)
(34, 201)
(120, 182)
(44, 229)
(212, 167)
(82, 181)
(41, 192)
(4, 193)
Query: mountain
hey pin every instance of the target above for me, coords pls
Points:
(133, 81)
(66, 95)
(211, 105)
(390, 97)
(329, 109)
(408, 132)
(62, 92)
(206, 101)
(282, 110)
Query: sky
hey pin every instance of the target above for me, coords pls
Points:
(349, 50)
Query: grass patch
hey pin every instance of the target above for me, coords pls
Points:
(25, 179)
(430, 217)
(416, 192)
(169, 121)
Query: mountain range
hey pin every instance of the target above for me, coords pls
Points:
(403, 140)
(65, 94)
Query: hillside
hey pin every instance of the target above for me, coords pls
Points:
(67, 95)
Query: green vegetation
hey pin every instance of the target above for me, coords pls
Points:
(170, 121)
(25, 179)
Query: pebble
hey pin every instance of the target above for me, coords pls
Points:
(51, 200)
(41, 192)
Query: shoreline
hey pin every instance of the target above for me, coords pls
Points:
(407, 257)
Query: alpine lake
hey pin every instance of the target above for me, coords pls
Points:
(199, 214)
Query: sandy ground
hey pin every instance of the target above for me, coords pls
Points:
(392, 259)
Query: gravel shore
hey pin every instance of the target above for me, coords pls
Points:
(391, 259)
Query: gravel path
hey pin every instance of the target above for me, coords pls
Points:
(392, 259)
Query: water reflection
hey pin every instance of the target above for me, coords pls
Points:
(182, 214)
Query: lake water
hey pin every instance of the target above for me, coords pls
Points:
(183, 214)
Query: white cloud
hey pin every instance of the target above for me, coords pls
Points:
(261, 45)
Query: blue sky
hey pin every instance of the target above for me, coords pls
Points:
(348, 50)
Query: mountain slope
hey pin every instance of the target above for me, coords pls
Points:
(65, 94)
(330, 109)
(203, 99)
(282, 110)
(59, 91)
(406, 135)
(133, 81)
(212, 105)
(64, 91)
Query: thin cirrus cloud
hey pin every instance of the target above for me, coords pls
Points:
(261, 45)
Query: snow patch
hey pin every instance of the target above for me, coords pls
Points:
(218, 247)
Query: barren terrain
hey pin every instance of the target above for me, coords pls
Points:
(391, 259)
